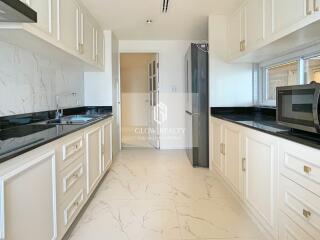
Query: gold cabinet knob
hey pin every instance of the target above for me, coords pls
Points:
(307, 169)
(306, 213)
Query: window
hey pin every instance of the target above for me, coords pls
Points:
(280, 75)
(301, 69)
(312, 69)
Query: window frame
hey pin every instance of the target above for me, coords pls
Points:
(300, 56)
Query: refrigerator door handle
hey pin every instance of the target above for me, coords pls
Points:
(192, 114)
(189, 113)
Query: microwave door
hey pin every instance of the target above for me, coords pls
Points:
(316, 107)
(296, 107)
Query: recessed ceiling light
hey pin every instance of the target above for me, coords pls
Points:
(149, 21)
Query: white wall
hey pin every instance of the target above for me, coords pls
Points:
(230, 84)
(98, 85)
(172, 77)
(29, 82)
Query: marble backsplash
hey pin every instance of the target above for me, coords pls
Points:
(30, 82)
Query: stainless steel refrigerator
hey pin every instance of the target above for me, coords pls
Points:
(197, 105)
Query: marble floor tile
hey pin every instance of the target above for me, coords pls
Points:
(157, 195)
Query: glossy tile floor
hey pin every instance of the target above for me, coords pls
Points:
(157, 195)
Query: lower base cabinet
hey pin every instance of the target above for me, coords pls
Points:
(289, 230)
(43, 191)
(28, 200)
(280, 179)
(246, 159)
(93, 157)
(260, 157)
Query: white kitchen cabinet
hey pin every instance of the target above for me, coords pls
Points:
(254, 22)
(44, 9)
(232, 156)
(260, 161)
(28, 200)
(301, 205)
(93, 157)
(288, 12)
(89, 38)
(216, 145)
(288, 230)
(69, 24)
(100, 47)
(107, 146)
(236, 33)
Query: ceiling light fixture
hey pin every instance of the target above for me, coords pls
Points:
(149, 21)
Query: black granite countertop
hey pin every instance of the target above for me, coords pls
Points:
(22, 133)
(264, 120)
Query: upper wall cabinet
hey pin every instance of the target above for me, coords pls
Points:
(65, 30)
(236, 33)
(295, 10)
(44, 8)
(69, 24)
(255, 23)
(263, 29)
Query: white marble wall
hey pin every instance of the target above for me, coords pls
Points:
(30, 82)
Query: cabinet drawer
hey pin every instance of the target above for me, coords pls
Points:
(72, 148)
(301, 205)
(288, 230)
(71, 179)
(72, 209)
(301, 164)
(69, 210)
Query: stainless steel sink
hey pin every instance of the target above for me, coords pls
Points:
(71, 120)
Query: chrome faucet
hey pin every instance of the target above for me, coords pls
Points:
(59, 112)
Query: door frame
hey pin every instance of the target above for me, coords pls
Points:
(120, 90)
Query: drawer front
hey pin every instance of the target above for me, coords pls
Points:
(74, 176)
(68, 211)
(301, 164)
(288, 230)
(71, 179)
(73, 208)
(302, 206)
(72, 148)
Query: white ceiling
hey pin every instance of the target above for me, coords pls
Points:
(185, 20)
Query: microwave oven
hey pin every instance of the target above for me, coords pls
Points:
(298, 107)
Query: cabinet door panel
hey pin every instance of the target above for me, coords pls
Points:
(107, 145)
(232, 141)
(217, 157)
(100, 48)
(235, 33)
(69, 27)
(287, 13)
(28, 201)
(88, 28)
(44, 10)
(255, 29)
(288, 230)
(261, 177)
(94, 170)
